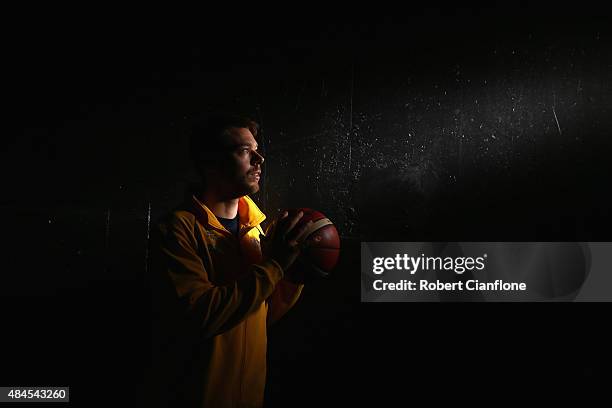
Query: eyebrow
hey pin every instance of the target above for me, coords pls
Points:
(248, 145)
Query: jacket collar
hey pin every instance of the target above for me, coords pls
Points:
(248, 213)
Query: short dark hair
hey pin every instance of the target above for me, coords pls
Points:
(207, 135)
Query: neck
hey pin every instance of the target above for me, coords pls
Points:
(224, 208)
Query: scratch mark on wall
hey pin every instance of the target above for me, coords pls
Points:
(556, 120)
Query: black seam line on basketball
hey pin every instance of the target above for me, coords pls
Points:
(319, 270)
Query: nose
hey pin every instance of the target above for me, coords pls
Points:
(257, 158)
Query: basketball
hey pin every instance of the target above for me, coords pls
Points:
(319, 259)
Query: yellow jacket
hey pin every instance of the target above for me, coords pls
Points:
(213, 297)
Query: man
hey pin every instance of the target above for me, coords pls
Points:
(215, 287)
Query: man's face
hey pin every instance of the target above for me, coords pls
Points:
(239, 165)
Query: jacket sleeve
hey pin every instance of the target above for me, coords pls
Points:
(215, 309)
(284, 297)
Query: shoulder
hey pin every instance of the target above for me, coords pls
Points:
(180, 220)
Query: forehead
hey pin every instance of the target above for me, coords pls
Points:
(240, 136)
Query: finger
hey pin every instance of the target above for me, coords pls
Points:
(289, 223)
(293, 222)
(300, 235)
(282, 220)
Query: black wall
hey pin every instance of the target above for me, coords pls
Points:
(424, 124)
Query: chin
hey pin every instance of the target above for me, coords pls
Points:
(249, 189)
(254, 188)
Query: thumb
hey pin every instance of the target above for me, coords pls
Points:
(310, 242)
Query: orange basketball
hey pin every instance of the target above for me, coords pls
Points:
(319, 259)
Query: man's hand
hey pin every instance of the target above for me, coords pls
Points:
(283, 242)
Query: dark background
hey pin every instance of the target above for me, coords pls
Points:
(434, 124)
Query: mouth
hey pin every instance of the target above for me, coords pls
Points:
(256, 175)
